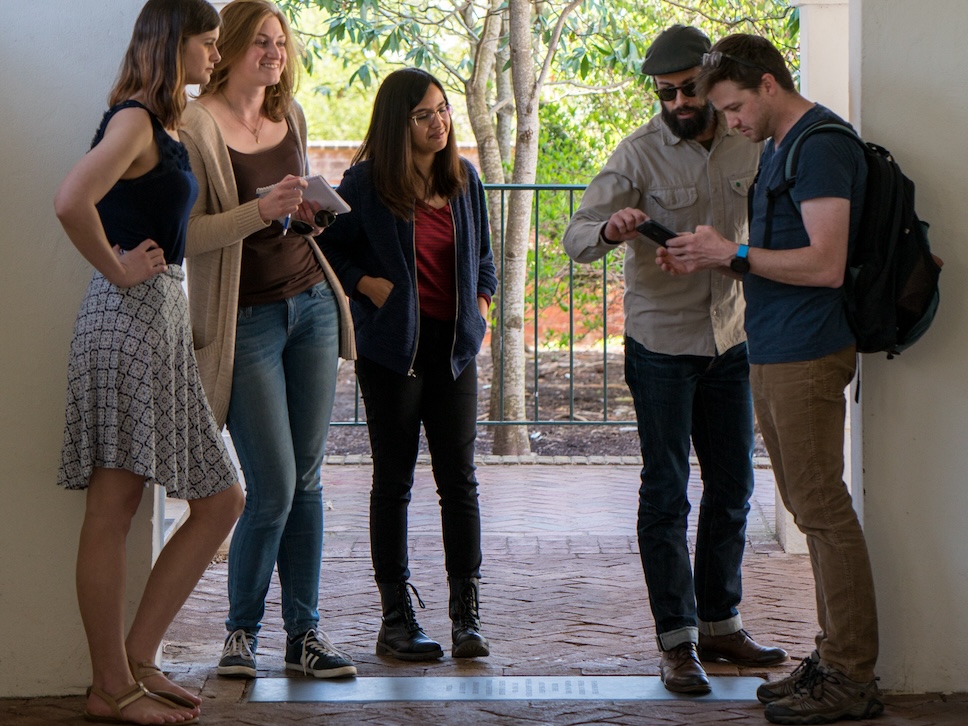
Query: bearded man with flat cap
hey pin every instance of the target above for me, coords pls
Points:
(685, 360)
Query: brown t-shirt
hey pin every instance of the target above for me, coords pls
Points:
(274, 267)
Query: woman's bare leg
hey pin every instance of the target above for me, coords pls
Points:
(175, 574)
(113, 496)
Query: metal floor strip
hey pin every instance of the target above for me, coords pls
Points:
(483, 688)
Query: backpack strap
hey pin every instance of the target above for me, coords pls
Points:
(790, 166)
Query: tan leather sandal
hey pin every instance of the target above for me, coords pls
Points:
(123, 700)
(147, 669)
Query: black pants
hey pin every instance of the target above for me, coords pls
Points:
(395, 407)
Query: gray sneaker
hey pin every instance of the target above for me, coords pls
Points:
(775, 690)
(238, 655)
(826, 696)
(314, 655)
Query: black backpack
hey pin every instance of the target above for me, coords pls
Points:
(891, 282)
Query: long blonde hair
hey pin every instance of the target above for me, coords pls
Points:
(241, 20)
(152, 65)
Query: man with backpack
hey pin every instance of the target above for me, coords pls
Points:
(802, 353)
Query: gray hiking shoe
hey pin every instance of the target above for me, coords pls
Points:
(826, 696)
(775, 690)
(238, 655)
(314, 655)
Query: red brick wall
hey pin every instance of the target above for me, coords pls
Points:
(331, 158)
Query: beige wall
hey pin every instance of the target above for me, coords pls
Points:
(58, 64)
(908, 62)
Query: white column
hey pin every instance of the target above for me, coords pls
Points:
(907, 77)
(59, 59)
(824, 72)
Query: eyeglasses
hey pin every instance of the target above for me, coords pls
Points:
(715, 58)
(323, 219)
(669, 93)
(425, 118)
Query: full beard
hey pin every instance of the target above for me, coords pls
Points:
(689, 128)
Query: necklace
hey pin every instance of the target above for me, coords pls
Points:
(254, 131)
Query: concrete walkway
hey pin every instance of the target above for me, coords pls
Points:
(562, 595)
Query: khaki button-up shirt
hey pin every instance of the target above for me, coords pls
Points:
(681, 185)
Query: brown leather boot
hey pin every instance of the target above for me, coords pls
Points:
(681, 670)
(738, 648)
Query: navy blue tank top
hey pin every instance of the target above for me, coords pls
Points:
(154, 205)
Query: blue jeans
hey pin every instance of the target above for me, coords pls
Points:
(283, 385)
(708, 399)
(396, 405)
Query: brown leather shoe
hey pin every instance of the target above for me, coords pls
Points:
(681, 670)
(738, 648)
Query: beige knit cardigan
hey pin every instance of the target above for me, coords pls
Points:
(216, 227)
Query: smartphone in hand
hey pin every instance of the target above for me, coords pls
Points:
(658, 233)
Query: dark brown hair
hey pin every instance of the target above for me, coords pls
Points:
(241, 20)
(388, 145)
(152, 65)
(745, 59)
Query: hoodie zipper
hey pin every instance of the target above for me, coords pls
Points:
(416, 293)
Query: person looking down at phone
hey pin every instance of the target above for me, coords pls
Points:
(270, 321)
(685, 359)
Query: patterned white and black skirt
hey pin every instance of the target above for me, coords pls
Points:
(134, 397)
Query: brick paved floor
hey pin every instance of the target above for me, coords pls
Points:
(562, 594)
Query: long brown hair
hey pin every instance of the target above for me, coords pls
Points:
(388, 146)
(241, 20)
(152, 65)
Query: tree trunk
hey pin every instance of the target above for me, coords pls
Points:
(514, 439)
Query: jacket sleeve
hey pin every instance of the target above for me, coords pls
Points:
(216, 219)
(345, 235)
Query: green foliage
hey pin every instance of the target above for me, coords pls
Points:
(594, 95)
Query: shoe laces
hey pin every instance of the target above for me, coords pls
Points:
(316, 642)
(468, 606)
(239, 643)
(410, 616)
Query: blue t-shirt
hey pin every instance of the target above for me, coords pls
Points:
(154, 205)
(788, 323)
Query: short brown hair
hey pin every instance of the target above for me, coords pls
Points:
(743, 60)
(241, 20)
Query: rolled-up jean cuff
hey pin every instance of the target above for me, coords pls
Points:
(722, 627)
(669, 640)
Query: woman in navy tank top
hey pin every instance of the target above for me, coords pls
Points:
(136, 412)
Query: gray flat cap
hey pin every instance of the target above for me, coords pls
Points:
(675, 49)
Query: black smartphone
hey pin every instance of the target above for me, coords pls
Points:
(658, 233)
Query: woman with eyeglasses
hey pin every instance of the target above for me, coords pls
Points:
(415, 255)
(270, 322)
(136, 413)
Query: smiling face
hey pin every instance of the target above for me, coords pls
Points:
(263, 62)
(199, 56)
(429, 133)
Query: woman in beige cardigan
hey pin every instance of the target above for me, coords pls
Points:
(269, 320)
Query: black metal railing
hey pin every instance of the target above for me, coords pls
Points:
(565, 304)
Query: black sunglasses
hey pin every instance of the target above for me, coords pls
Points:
(669, 93)
(715, 58)
(323, 219)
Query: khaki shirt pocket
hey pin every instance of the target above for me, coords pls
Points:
(674, 198)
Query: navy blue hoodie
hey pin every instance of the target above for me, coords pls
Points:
(370, 240)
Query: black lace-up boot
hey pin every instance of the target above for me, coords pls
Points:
(466, 623)
(401, 635)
